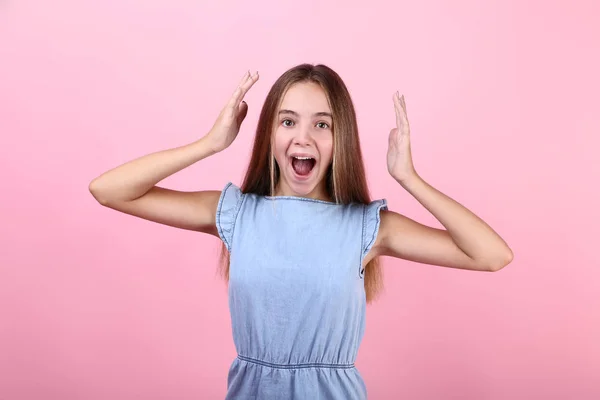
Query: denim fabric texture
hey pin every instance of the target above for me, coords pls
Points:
(296, 294)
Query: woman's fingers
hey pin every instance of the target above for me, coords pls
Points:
(244, 78)
(245, 84)
(404, 114)
(242, 112)
(403, 104)
(248, 83)
(401, 117)
(397, 107)
(235, 98)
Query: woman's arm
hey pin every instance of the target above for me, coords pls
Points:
(467, 243)
(131, 188)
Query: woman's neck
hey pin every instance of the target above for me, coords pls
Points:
(318, 193)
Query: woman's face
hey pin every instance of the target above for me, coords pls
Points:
(303, 141)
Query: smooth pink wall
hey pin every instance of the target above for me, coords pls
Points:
(503, 102)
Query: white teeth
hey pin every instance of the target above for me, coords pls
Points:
(303, 158)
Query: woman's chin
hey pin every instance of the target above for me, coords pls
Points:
(302, 185)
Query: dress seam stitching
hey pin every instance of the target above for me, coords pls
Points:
(295, 366)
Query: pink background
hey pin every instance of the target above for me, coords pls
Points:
(503, 102)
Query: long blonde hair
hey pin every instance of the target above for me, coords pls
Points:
(346, 181)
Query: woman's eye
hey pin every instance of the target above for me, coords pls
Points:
(285, 122)
(323, 125)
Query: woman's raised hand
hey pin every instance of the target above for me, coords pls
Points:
(399, 156)
(227, 125)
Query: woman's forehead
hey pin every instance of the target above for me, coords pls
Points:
(305, 99)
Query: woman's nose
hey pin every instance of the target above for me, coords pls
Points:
(303, 137)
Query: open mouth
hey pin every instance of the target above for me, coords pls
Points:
(303, 165)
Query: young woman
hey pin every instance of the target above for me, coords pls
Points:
(301, 236)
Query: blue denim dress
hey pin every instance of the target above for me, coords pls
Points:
(296, 294)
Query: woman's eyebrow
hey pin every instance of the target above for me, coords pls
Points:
(318, 114)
